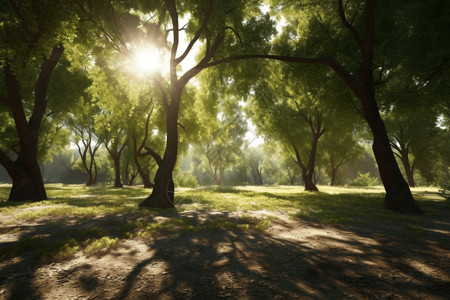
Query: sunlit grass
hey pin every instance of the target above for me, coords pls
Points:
(121, 218)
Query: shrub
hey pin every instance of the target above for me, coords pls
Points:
(185, 180)
(364, 180)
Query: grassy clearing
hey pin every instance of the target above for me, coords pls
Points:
(121, 218)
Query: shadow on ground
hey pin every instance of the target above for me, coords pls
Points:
(315, 262)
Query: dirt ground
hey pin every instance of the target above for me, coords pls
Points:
(293, 259)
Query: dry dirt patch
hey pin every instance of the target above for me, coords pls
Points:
(292, 259)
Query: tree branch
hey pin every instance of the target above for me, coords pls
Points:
(325, 60)
(297, 154)
(205, 61)
(163, 94)
(197, 34)
(174, 16)
(144, 140)
(236, 33)
(181, 125)
(348, 26)
(40, 89)
(155, 155)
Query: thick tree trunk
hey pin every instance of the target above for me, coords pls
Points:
(27, 182)
(24, 171)
(309, 182)
(91, 180)
(398, 195)
(162, 195)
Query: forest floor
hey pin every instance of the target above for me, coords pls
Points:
(212, 254)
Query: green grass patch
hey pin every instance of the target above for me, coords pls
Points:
(263, 225)
(95, 245)
(119, 215)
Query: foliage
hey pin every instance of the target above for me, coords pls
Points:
(364, 180)
(222, 137)
(184, 179)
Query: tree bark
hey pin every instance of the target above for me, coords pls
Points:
(409, 171)
(117, 181)
(308, 181)
(24, 171)
(333, 176)
(398, 195)
(162, 195)
(115, 155)
(144, 175)
(27, 182)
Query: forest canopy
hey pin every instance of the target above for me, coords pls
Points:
(173, 93)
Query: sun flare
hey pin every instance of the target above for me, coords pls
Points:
(148, 60)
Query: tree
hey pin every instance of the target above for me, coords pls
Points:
(321, 29)
(222, 137)
(294, 115)
(85, 136)
(210, 21)
(115, 105)
(255, 160)
(32, 38)
(340, 143)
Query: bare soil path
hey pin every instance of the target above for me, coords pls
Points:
(292, 259)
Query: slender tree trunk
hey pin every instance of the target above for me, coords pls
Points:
(316, 178)
(398, 195)
(117, 181)
(408, 169)
(291, 177)
(220, 177)
(144, 175)
(216, 180)
(333, 176)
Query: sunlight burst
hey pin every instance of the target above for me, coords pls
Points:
(149, 60)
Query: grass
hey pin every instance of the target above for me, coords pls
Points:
(119, 216)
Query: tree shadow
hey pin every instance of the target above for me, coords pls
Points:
(361, 261)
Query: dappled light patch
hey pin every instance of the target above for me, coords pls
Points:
(255, 243)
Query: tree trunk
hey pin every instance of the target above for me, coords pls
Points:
(308, 182)
(24, 171)
(90, 181)
(162, 195)
(408, 170)
(144, 175)
(27, 182)
(220, 177)
(333, 176)
(146, 180)
(117, 181)
(398, 195)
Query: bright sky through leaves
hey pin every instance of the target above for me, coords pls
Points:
(149, 60)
